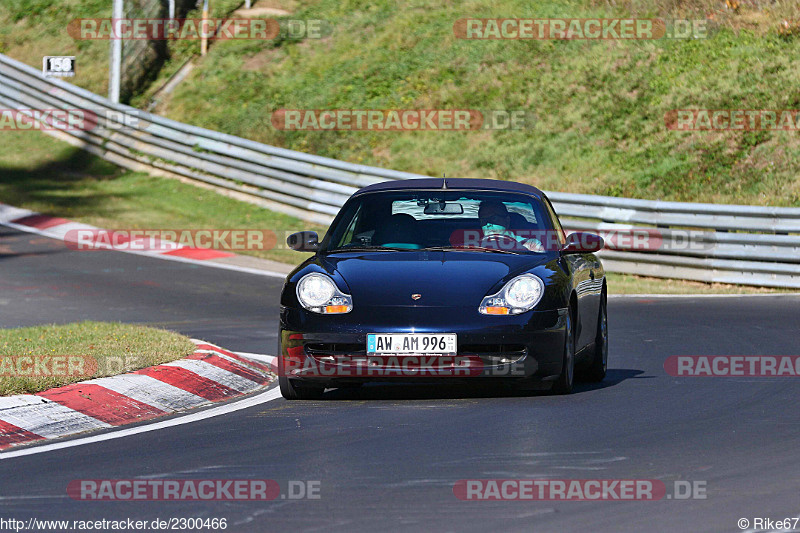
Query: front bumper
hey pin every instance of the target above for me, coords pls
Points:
(331, 349)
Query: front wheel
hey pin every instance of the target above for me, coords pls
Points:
(567, 378)
(291, 389)
(597, 369)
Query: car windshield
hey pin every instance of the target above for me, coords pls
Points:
(440, 219)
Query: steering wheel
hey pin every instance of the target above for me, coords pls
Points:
(499, 241)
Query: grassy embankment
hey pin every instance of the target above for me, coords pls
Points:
(38, 358)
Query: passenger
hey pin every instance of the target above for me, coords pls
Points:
(495, 221)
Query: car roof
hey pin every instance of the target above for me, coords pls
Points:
(452, 184)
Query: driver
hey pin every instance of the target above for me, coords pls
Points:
(495, 220)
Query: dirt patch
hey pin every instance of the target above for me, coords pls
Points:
(261, 11)
(260, 61)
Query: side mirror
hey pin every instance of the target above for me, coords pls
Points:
(303, 241)
(582, 242)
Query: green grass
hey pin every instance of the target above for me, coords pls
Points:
(600, 104)
(30, 29)
(629, 284)
(43, 174)
(80, 351)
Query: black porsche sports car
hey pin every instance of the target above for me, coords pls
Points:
(443, 279)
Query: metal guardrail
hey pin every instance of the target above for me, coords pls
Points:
(706, 242)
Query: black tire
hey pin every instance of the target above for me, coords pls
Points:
(596, 371)
(565, 382)
(291, 389)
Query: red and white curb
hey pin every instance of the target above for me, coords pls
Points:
(59, 228)
(211, 374)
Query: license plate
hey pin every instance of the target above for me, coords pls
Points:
(411, 343)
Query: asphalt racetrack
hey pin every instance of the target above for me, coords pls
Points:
(387, 456)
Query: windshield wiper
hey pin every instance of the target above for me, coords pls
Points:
(371, 249)
(468, 249)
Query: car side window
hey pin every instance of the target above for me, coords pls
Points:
(556, 223)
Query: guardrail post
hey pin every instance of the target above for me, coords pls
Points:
(203, 26)
(115, 65)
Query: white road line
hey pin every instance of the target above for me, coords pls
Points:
(211, 263)
(257, 399)
(151, 391)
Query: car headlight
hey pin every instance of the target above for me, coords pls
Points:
(517, 296)
(318, 293)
